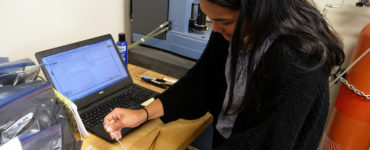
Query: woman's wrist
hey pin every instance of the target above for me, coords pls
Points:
(147, 114)
(141, 116)
(151, 111)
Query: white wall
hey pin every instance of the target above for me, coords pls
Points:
(28, 26)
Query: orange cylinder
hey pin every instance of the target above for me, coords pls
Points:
(350, 126)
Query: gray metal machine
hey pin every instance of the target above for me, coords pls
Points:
(189, 31)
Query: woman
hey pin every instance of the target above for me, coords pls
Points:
(263, 76)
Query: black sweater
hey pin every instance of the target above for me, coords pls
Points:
(293, 103)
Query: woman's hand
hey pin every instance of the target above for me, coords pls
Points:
(121, 118)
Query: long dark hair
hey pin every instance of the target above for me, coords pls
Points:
(297, 22)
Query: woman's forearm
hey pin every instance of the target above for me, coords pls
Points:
(155, 109)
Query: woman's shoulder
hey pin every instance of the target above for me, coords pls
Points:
(280, 52)
(283, 60)
(286, 64)
(281, 49)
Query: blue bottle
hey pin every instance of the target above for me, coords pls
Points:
(122, 47)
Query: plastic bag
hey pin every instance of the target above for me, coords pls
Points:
(32, 112)
(14, 66)
(48, 139)
(20, 77)
(27, 113)
(10, 92)
(4, 60)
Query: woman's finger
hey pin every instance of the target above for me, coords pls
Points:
(117, 134)
(111, 135)
(108, 118)
(116, 125)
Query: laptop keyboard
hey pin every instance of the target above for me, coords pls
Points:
(132, 97)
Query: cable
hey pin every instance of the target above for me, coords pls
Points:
(119, 142)
(115, 137)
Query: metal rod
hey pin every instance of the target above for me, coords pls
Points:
(149, 36)
(158, 28)
(350, 66)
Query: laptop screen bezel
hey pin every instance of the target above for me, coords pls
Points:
(94, 97)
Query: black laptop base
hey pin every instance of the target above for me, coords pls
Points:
(93, 116)
(100, 131)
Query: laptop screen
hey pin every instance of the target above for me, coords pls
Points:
(85, 70)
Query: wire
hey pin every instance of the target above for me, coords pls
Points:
(119, 142)
(115, 137)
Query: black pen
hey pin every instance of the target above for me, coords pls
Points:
(155, 79)
(155, 82)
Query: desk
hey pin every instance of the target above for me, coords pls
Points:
(154, 134)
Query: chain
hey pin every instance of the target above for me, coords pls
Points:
(351, 87)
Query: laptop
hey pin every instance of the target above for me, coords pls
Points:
(92, 74)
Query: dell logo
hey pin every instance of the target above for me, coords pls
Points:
(101, 92)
